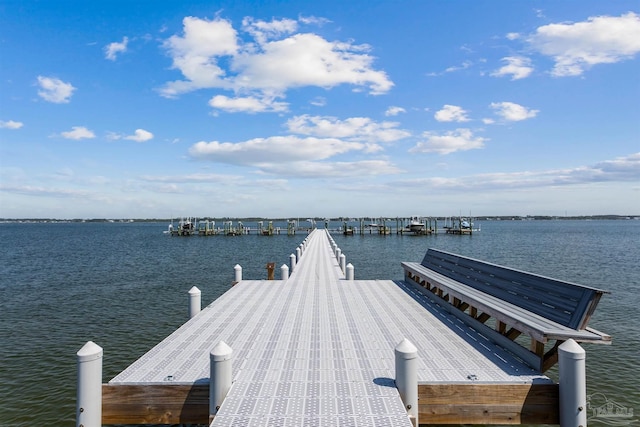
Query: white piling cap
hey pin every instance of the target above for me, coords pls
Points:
(570, 349)
(406, 350)
(194, 291)
(90, 351)
(221, 352)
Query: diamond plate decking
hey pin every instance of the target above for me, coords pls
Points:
(319, 350)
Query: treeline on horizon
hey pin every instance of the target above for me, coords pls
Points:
(336, 219)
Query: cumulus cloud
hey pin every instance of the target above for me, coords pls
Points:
(55, 90)
(78, 132)
(512, 112)
(10, 124)
(353, 128)
(248, 104)
(576, 47)
(451, 113)
(140, 135)
(518, 67)
(272, 150)
(211, 54)
(112, 50)
(394, 111)
(449, 142)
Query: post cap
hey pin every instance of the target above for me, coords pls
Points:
(90, 351)
(194, 291)
(406, 349)
(221, 352)
(570, 349)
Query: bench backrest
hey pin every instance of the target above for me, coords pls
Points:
(563, 302)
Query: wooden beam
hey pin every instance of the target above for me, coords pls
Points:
(537, 347)
(488, 404)
(513, 333)
(483, 317)
(551, 357)
(155, 404)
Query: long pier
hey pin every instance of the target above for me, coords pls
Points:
(319, 348)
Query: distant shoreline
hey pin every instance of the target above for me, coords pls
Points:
(351, 219)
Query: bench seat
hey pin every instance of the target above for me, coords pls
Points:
(532, 324)
(518, 302)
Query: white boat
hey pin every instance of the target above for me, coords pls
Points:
(415, 225)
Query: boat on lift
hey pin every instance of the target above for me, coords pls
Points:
(415, 225)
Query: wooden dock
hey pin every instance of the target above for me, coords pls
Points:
(318, 350)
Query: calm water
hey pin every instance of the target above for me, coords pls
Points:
(125, 286)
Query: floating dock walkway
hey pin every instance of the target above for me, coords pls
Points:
(317, 349)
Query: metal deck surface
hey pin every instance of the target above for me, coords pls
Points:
(319, 350)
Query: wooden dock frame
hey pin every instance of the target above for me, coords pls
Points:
(438, 404)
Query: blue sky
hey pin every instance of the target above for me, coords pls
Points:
(154, 109)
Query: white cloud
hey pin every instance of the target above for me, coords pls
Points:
(308, 60)
(394, 111)
(451, 113)
(313, 20)
(272, 150)
(576, 47)
(263, 31)
(449, 142)
(140, 135)
(518, 67)
(247, 104)
(31, 190)
(513, 36)
(463, 66)
(622, 169)
(190, 178)
(55, 90)
(112, 50)
(78, 132)
(11, 124)
(319, 101)
(353, 128)
(210, 54)
(196, 54)
(513, 112)
(305, 169)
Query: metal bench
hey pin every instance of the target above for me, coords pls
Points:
(518, 302)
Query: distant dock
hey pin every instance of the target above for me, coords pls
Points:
(418, 226)
(319, 348)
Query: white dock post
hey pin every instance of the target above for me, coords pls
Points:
(573, 384)
(89, 394)
(298, 253)
(195, 301)
(221, 375)
(284, 272)
(407, 377)
(238, 271)
(338, 253)
(292, 262)
(343, 263)
(349, 272)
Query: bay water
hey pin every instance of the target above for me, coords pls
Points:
(124, 286)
